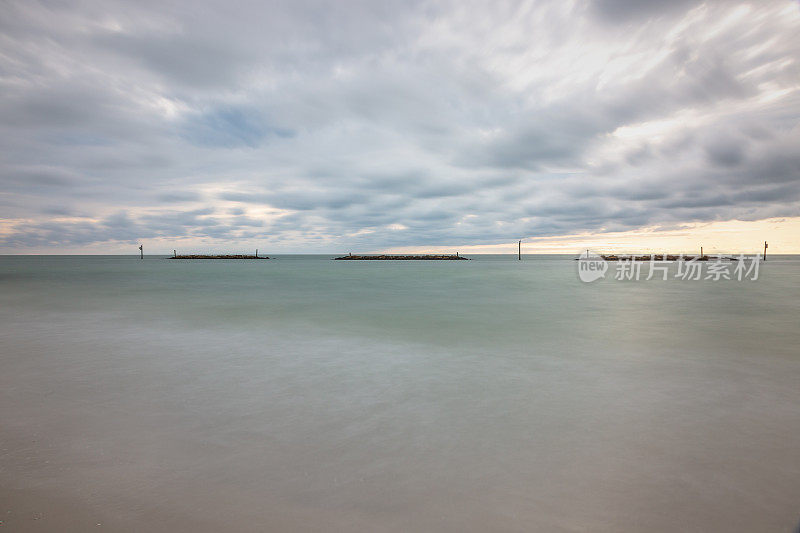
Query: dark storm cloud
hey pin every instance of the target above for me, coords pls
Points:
(374, 124)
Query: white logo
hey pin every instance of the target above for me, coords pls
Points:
(591, 266)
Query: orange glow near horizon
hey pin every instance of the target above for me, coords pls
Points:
(732, 236)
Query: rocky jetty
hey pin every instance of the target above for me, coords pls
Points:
(455, 257)
(219, 257)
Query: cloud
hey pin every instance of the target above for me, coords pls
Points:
(187, 61)
(725, 152)
(358, 124)
(625, 10)
(178, 197)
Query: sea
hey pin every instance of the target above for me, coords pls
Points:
(305, 394)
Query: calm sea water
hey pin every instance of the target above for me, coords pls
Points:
(303, 394)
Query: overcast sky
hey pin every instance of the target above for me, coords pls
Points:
(366, 125)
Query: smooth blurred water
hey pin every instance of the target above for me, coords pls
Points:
(304, 394)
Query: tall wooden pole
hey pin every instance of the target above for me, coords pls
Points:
(519, 251)
(765, 250)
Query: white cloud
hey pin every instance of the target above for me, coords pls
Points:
(362, 124)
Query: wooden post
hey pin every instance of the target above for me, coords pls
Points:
(141, 252)
(519, 251)
(765, 250)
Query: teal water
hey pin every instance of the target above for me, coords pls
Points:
(304, 394)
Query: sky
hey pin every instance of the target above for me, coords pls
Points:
(326, 127)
